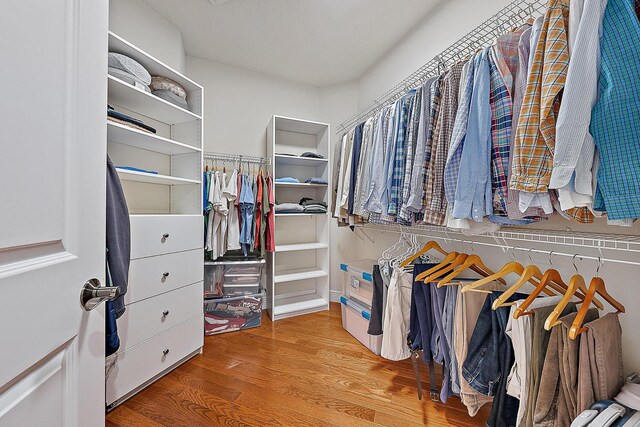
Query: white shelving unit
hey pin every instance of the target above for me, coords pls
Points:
(163, 323)
(298, 271)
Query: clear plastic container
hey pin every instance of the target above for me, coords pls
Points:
(355, 320)
(357, 280)
(227, 277)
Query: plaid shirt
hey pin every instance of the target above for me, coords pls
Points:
(615, 120)
(412, 139)
(535, 136)
(436, 211)
(428, 216)
(501, 114)
(397, 177)
(452, 166)
(434, 109)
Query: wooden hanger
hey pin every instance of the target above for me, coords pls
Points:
(509, 268)
(430, 245)
(531, 271)
(596, 286)
(553, 279)
(469, 263)
(459, 260)
(447, 259)
(574, 284)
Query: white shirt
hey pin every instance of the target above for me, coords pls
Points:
(395, 323)
(233, 227)
(575, 148)
(341, 176)
(377, 180)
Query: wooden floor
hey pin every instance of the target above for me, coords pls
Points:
(304, 371)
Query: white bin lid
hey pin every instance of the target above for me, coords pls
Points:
(363, 267)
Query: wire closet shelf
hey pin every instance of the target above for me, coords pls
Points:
(620, 248)
(236, 158)
(513, 15)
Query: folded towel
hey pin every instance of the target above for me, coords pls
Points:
(165, 83)
(316, 180)
(171, 97)
(288, 179)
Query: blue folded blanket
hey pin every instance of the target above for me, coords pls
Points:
(316, 180)
(288, 179)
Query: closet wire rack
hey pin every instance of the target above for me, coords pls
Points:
(613, 244)
(513, 15)
(241, 158)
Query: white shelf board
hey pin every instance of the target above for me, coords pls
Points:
(300, 247)
(290, 124)
(299, 214)
(151, 178)
(281, 159)
(299, 185)
(301, 304)
(142, 102)
(126, 135)
(299, 274)
(154, 66)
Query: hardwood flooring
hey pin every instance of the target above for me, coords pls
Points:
(304, 371)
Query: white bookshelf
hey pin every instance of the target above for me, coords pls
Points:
(163, 323)
(298, 271)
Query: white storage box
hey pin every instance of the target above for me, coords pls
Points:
(355, 320)
(357, 280)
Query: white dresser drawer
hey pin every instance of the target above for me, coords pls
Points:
(149, 317)
(162, 234)
(155, 275)
(143, 362)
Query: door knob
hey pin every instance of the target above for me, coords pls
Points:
(93, 294)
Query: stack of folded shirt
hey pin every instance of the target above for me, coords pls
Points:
(313, 206)
(316, 180)
(289, 208)
(170, 91)
(288, 180)
(123, 119)
(129, 70)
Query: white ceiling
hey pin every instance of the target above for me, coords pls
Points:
(316, 42)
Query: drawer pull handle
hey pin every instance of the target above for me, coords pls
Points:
(165, 236)
(165, 313)
(165, 351)
(165, 274)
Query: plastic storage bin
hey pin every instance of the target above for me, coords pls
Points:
(233, 277)
(357, 280)
(355, 320)
(232, 314)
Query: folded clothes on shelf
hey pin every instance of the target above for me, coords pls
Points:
(171, 97)
(131, 168)
(316, 180)
(288, 179)
(289, 208)
(118, 117)
(128, 70)
(315, 209)
(307, 201)
(312, 155)
(165, 83)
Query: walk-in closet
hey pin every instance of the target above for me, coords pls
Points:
(320, 213)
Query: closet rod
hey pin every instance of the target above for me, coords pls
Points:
(237, 158)
(485, 34)
(505, 247)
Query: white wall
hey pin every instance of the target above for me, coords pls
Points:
(238, 105)
(141, 25)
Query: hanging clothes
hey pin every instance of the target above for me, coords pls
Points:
(270, 243)
(233, 226)
(246, 212)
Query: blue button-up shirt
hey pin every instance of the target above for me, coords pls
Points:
(473, 193)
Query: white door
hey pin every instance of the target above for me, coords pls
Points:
(52, 222)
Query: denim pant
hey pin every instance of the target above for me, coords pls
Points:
(489, 361)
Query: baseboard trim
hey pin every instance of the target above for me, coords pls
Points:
(334, 296)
